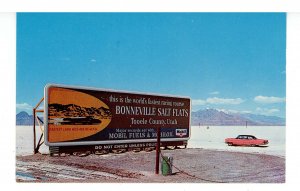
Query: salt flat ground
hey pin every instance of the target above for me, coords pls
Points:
(212, 137)
(24, 140)
(206, 137)
(207, 160)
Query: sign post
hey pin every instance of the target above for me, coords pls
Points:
(157, 151)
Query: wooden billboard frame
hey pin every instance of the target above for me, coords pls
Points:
(92, 147)
(36, 118)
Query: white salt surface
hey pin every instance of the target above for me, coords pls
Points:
(212, 137)
(24, 140)
(205, 137)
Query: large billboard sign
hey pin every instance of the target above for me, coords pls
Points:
(89, 116)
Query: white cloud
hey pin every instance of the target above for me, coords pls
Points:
(268, 100)
(229, 101)
(214, 93)
(198, 102)
(24, 106)
(266, 111)
(216, 100)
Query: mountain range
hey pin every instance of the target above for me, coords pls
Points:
(203, 117)
(216, 117)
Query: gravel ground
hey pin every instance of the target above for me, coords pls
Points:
(195, 165)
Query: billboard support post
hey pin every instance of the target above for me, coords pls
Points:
(34, 136)
(157, 151)
(36, 148)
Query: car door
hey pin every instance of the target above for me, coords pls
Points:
(241, 140)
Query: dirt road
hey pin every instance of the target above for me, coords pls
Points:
(195, 165)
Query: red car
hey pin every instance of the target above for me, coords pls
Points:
(245, 140)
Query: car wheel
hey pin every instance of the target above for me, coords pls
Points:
(253, 145)
(229, 144)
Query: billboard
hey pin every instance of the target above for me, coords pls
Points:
(90, 116)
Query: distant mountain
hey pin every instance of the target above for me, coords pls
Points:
(215, 117)
(24, 119)
(263, 119)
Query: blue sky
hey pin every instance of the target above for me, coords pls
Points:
(228, 61)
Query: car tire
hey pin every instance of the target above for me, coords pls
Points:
(230, 144)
